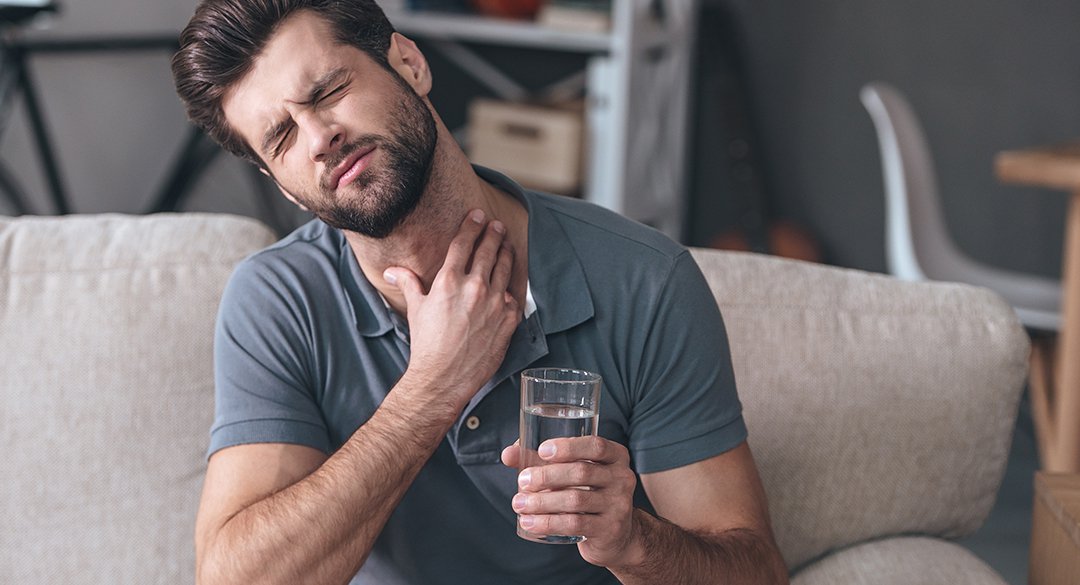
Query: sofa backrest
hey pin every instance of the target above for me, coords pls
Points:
(106, 391)
(875, 407)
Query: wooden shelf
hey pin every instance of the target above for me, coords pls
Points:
(479, 29)
(637, 80)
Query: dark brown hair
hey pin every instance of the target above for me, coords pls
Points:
(223, 38)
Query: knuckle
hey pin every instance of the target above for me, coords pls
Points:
(545, 524)
(579, 473)
(575, 523)
(472, 289)
(447, 278)
(538, 477)
(577, 499)
(460, 246)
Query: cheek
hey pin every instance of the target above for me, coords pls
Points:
(295, 170)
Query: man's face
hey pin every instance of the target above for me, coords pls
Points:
(342, 136)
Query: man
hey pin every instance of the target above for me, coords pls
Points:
(367, 364)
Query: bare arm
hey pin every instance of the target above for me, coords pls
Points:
(713, 525)
(288, 514)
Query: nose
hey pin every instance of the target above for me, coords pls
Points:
(323, 136)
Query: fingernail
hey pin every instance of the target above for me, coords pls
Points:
(389, 277)
(546, 450)
(524, 478)
(526, 521)
(498, 227)
(477, 216)
(519, 501)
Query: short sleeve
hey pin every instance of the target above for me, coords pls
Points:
(262, 363)
(687, 408)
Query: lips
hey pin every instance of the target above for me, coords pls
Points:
(351, 167)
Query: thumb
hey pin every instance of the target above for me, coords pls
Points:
(406, 281)
(511, 455)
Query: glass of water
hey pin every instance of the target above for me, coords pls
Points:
(555, 402)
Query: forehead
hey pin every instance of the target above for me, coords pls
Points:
(301, 50)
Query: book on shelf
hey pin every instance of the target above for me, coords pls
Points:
(576, 15)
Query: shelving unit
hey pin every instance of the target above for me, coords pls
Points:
(637, 88)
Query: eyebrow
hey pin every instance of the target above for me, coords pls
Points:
(321, 85)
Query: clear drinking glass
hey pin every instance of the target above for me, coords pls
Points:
(555, 402)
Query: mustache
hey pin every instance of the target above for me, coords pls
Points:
(347, 150)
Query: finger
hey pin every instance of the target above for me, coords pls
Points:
(406, 281)
(487, 251)
(511, 455)
(561, 524)
(500, 274)
(461, 247)
(578, 474)
(591, 448)
(562, 502)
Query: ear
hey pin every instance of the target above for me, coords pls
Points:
(287, 195)
(405, 58)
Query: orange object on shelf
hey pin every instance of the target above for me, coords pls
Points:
(521, 9)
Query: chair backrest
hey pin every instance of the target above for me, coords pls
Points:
(106, 391)
(876, 407)
(917, 242)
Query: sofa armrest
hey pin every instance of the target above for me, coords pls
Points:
(876, 407)
(900, 561)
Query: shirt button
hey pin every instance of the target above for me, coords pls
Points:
(472, 423)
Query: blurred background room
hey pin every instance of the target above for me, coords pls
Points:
(725, 123)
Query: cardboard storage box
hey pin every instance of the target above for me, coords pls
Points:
(1055, 530)
(540, 147)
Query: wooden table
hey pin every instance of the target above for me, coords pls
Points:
(1055, 366)
(1055, 530)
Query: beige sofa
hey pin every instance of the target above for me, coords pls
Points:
(880, 412)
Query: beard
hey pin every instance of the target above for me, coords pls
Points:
(382, 196)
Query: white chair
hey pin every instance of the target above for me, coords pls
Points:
(918, 246)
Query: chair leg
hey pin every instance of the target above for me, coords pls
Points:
(1040, 377)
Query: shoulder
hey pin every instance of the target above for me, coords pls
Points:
(307, 255)
(601, 234)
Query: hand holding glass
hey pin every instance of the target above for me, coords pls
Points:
(555, 402)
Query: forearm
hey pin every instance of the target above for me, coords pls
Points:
(668, 553)
(322, 528)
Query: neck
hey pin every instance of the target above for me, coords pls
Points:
(420, 243)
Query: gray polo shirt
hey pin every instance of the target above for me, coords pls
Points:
(306, 350)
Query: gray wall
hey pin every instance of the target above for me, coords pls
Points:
(115, 119)
(984, 76)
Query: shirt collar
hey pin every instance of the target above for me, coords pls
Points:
(557, 290)
(556, 276)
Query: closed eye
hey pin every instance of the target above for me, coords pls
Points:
(334, 92)
(282, 144)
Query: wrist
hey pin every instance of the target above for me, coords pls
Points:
(437, 395)
(635, 558)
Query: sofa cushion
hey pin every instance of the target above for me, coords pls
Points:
(900, 561)
(106, 390)
(875, 407)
